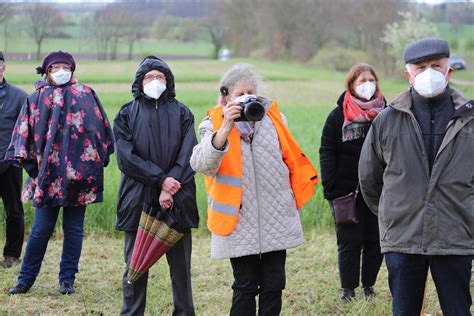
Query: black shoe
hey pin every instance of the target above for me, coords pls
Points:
(368, 292)
(9, 262)
(347, 295)
(18, 289)
(66, 288)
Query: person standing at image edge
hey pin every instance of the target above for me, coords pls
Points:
(12, 99)
(416, 172)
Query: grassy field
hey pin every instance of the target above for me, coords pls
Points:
(25, 45)
(305, 96)
(312, 283)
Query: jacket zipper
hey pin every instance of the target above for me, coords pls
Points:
(419, 134)
(156, 104)
(258, 200)
(431, 159)
(420, 140)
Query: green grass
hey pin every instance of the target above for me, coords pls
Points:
(312, 282)
(24, 44)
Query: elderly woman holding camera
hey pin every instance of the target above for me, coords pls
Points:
(257, 178)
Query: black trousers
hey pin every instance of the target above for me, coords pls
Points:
(354, 241)
(262, 275)
(179, 261)
(10, 190)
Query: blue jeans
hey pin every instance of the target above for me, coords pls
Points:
(43, 227)
(407, 277)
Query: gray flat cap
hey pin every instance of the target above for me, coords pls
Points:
(425, 48)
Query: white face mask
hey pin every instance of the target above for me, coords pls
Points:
(429, 83)
(61, 76)
(244, 97)
(154, 89)
(366, 90)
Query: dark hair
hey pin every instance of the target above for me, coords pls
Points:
(355, 72)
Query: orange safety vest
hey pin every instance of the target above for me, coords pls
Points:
(224, 190)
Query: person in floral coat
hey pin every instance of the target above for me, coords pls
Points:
(63, 140)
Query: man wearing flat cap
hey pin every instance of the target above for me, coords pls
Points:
(11, 100)
(416, 173)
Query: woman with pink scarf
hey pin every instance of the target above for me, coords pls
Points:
(341, 142)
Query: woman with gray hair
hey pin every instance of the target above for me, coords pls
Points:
(257, 178)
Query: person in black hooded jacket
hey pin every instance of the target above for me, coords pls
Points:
(12, 99)
(155, 137)
(341, 143)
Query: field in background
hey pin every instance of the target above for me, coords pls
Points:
(305, 96)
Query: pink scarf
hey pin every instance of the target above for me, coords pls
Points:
(359, 114)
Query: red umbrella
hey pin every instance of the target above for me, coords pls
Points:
(158, 231)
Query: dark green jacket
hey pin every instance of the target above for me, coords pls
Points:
(421, 213)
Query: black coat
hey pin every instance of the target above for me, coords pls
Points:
(10, 106)
(338, 160)
(154, 140)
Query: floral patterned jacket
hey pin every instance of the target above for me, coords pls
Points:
(63, 139)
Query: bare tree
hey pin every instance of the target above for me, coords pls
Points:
(117, 17)
(6, 10)
(135, 29)
(100, 26)
(295, 29)
(242, 20)
(39, 18)
(215, 25)
(114, 24)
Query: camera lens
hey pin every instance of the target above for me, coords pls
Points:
(254, 111)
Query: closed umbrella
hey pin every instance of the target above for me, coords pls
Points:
(158, 231)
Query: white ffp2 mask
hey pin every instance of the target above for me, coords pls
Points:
(154, 89)
(429, 83)
(366, 90)
(61, 76)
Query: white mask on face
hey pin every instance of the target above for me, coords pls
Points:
(61, 76)
(154, 89)
(366, 90)
(244, 97)
(429, 83)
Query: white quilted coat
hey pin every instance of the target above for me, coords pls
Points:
(268, 220)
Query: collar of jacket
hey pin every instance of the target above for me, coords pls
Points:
(143, 98)
(44, 82)
(462, 105)
(3, 88)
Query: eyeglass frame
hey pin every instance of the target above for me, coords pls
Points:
(160, 77)
(57, 68)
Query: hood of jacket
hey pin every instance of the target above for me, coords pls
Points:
(148, 64)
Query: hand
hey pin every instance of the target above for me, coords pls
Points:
(166, 199)
(171, 185)
(231, 111)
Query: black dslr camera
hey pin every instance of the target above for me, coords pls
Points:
(252, 110)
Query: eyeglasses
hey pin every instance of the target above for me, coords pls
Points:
(56, 68)
(154, 77)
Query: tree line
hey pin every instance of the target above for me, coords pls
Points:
(275, 29)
